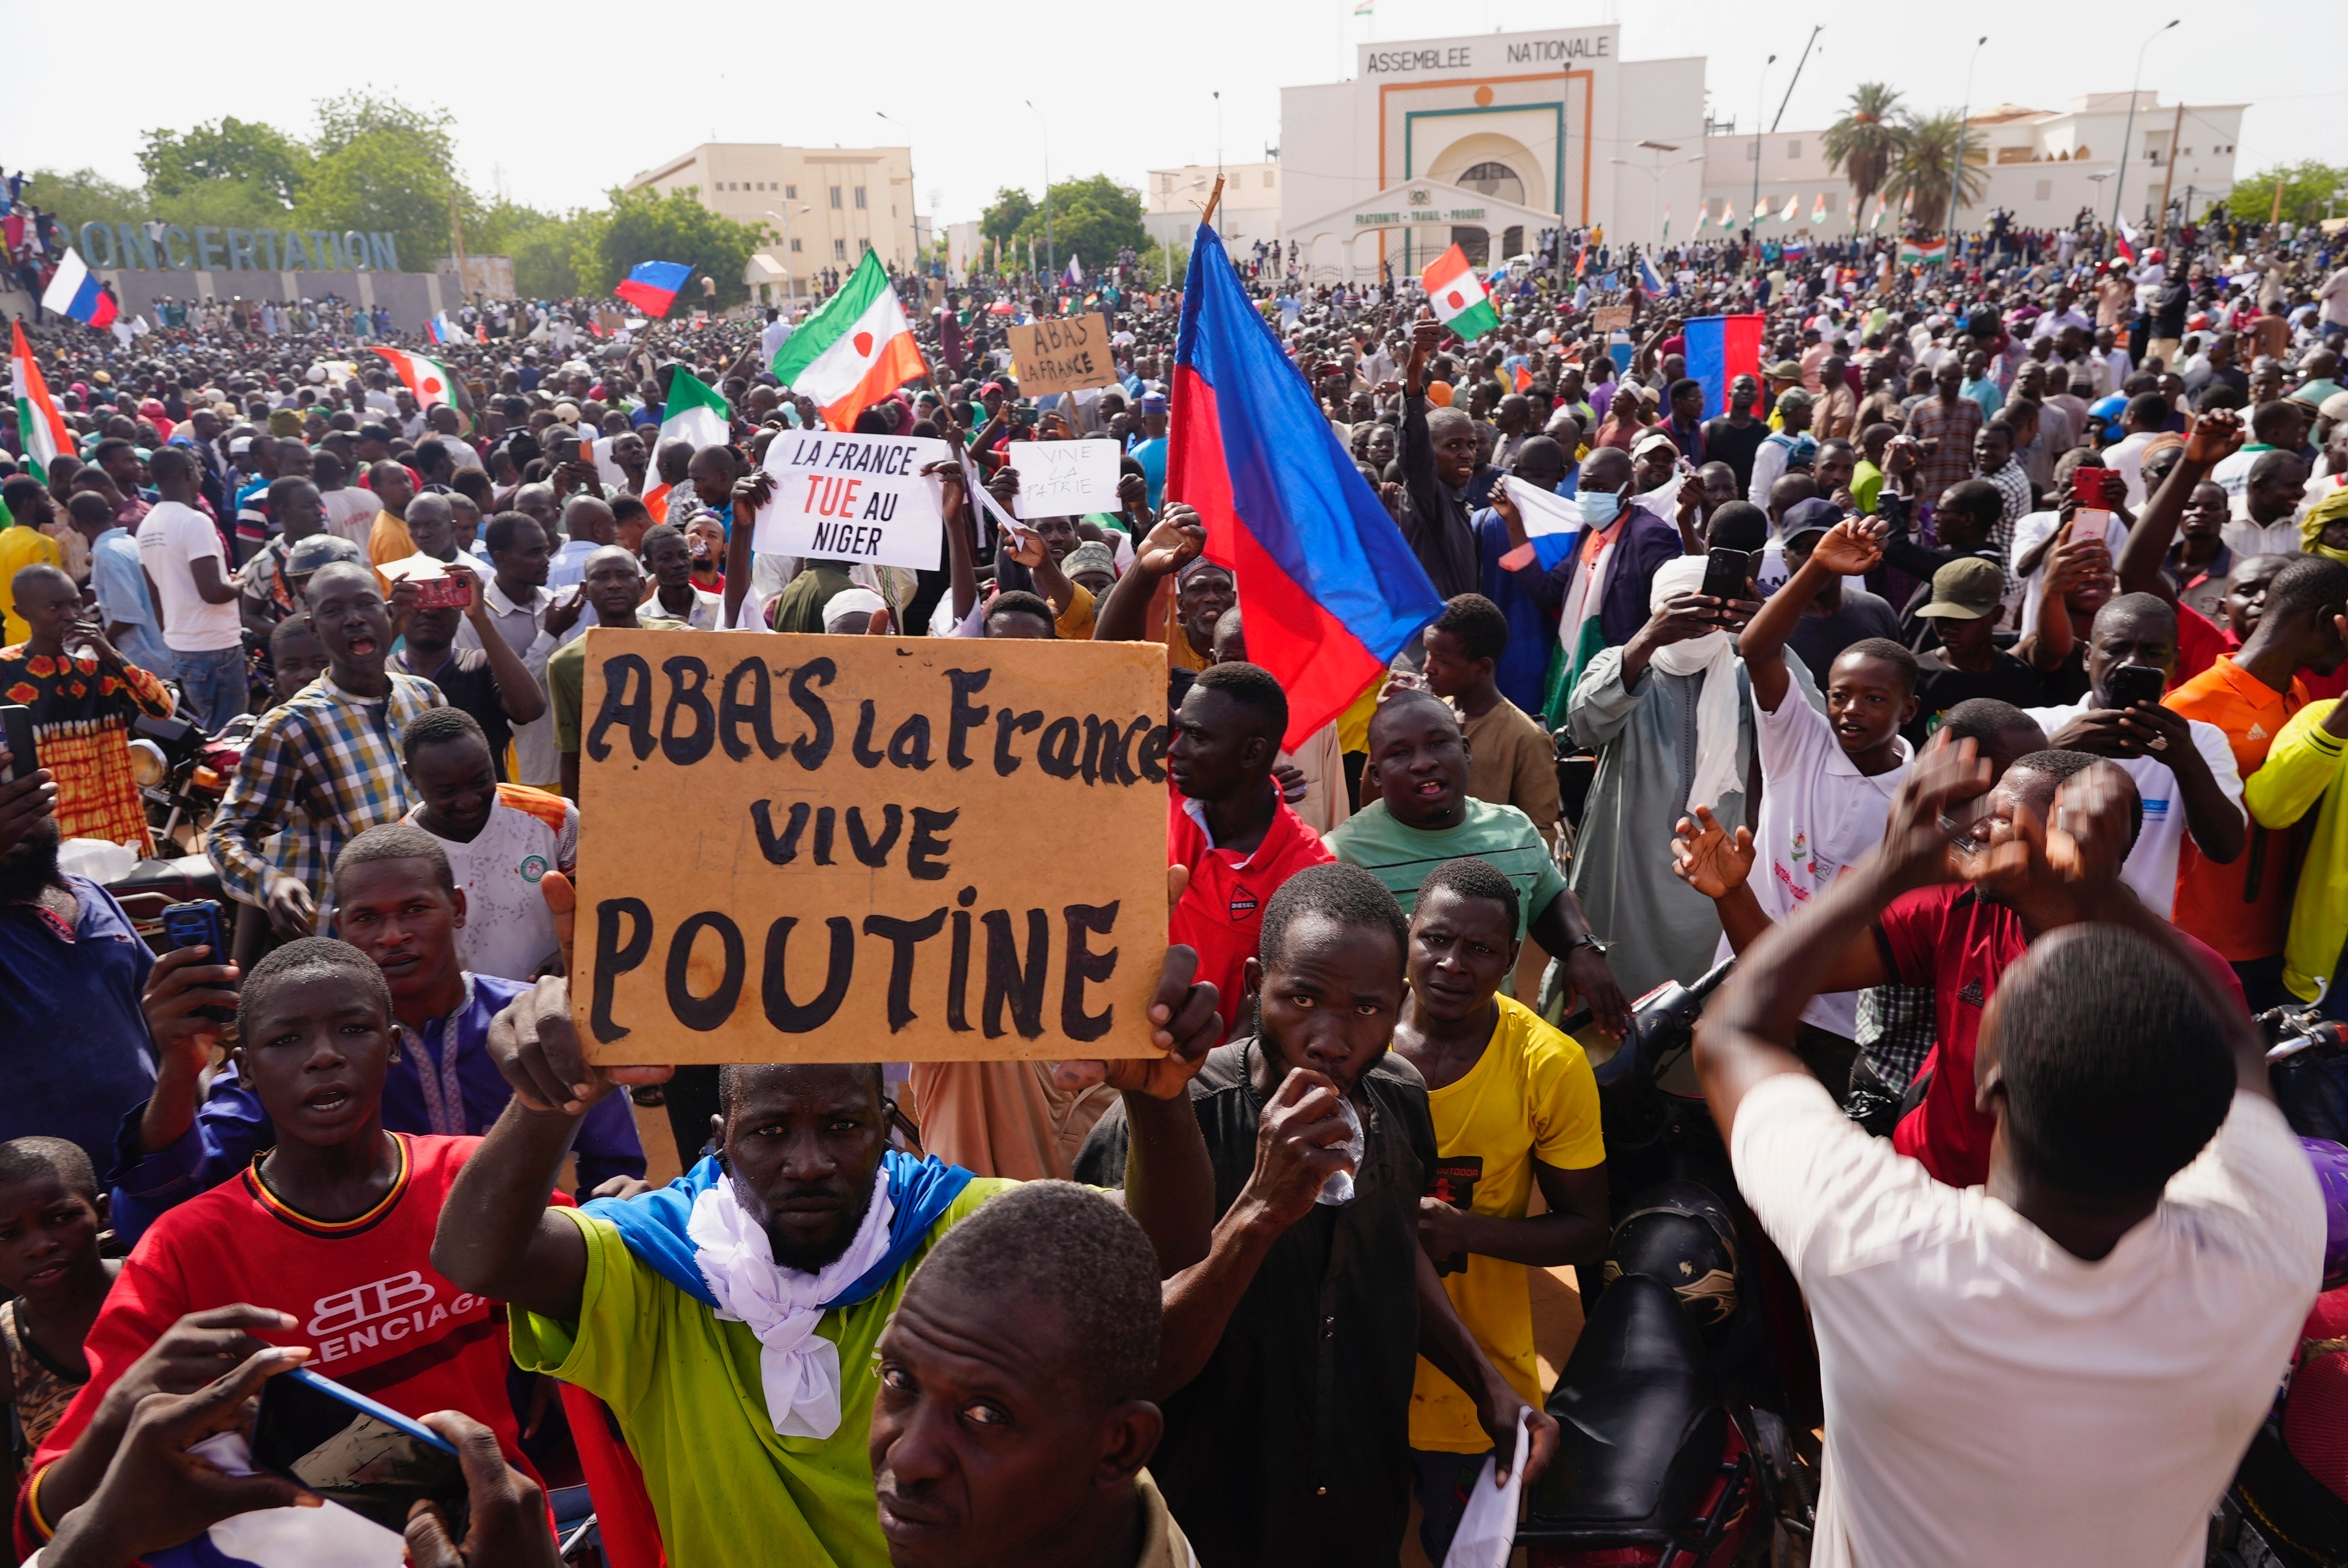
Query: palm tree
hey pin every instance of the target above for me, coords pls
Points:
(1865, 143)
(1929, 158)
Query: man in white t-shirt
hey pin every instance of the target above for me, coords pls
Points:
(1826, 779)
(500, 839)
(2064, 1366)
(195, 591)
(2184, 769)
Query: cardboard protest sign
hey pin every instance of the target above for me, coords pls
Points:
(859, 848)
(1061, 355)
(1610, 318)
(1065, 479)
(853, 499)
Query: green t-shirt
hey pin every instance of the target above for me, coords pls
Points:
(566, 682)
(1866, 484)
(1401, 856)
(728, 1491)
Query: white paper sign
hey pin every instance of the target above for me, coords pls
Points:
(855, 498)
(1065, 479)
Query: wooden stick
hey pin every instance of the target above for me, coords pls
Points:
(1208, 217)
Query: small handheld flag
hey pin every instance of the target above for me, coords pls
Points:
(1818, 209)
(38, 424)
(1923, 252)
(2125, 241)
(75, 292)
(1075, 273)
(428, 379)
(693, 411)
(1457, 296)
(1649, 279)
(652, 286)
(1553, 524)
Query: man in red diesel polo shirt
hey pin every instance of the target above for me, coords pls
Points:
(1227, 822)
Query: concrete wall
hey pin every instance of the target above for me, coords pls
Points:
(412, 298)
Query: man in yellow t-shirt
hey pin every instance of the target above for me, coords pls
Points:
(22, 544)
(1514, 1102)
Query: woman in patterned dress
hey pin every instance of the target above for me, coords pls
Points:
(82, 702)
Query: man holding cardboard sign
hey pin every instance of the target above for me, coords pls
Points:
(730, 1319)
(1061, 354)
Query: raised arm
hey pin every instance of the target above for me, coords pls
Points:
(961, 570)
(2215, 436)
(1849, 548)
(1746, 1034)
(1123, 614)
(497, 1237)
(751, 491)
(518, 692)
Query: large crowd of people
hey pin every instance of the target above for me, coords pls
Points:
(1967, 670)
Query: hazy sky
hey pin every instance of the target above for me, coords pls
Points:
(554, 106)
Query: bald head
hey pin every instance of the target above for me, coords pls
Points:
(589, 519)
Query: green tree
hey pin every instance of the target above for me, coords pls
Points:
(1000, 221)
(645, 226)
(1089, 219)
(383, 166)
(543, 245)
(85, 196)
(179, 163)
(2312, 190)
(1927, 159)
(1865, 142)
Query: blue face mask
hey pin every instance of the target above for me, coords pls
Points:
(1597, 507)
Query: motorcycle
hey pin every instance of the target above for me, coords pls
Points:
(1680, 1446)
(181, 776)
(2285, 1508)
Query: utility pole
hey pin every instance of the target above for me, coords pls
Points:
(2168, 175)
(456, 232)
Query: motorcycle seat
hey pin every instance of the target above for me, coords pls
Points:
(1642, 1426)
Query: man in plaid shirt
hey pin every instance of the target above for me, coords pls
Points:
(324, 766)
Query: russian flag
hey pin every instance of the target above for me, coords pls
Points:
(1332, 590)
(1718, 350)
(652, 286)
(75, 292)
(2125, 241)
(1552, 525)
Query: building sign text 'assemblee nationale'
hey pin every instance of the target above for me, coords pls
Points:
(153, 246)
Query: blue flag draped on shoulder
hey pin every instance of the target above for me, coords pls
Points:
(653, 1223)
(1331, 588)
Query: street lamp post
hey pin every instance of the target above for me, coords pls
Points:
(1051, 262)
(789, 291)
(1957, 160)
(1654, 173)
(2119, 186)
(892, 119)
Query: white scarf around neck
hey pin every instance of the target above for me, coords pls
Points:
(1719, 707)
(798, 1370)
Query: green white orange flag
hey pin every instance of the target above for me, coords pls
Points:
(38, 426)
(428, 378)
(855, 351)
(693, 413)
(1458, 295)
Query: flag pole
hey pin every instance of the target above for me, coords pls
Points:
(1208, 217)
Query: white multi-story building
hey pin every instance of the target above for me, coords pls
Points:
(1250, 210)
(2043, 166)
(1483, 141)
(823, 207)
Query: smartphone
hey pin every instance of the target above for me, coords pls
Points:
(1893, 510)
(453, 591)
(2088, 488)
(2136, 686)
(17, 729)
(1728, 574)
(194, 924)
(350, 1449)
(1025, 417)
